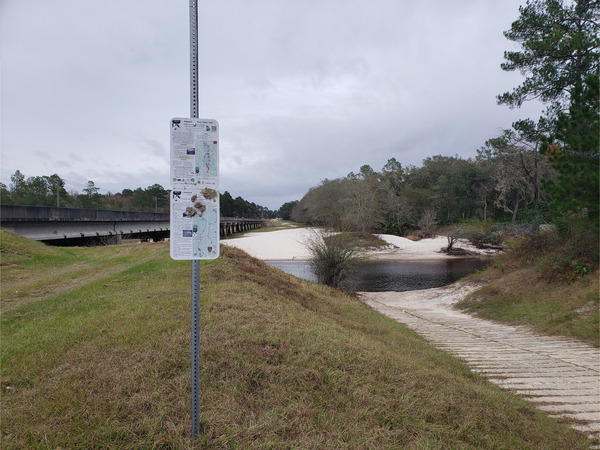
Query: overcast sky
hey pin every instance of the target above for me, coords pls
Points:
(303, 90)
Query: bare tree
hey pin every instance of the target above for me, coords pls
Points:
(362, 206)
(427, 222)
(518, 166)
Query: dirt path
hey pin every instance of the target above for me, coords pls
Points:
(561, 376)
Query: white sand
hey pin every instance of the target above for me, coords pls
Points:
(290, 245)
(274, 245)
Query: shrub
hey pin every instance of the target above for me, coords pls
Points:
(560, 255)
(333, 255)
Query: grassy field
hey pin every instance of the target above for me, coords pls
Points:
(95, 354)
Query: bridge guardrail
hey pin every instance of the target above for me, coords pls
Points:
(20, 213)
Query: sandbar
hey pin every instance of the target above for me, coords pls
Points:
(290, 244)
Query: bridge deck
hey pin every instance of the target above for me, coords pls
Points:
(54, 224)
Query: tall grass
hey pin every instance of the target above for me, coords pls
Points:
(549, 281)
(99, 358)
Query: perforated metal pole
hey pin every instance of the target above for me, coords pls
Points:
(195, 348)
(195, 344)
(194, 59)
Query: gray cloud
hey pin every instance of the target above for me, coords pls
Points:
(303, 90)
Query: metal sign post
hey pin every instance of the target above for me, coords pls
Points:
(195, 344)
(195, 227)
(195, 348)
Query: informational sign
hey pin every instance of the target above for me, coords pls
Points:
(194, 179)
(195, 224)
(194, 153)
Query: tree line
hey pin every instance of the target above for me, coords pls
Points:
(444, 190)
(537, 170)
(49, 190)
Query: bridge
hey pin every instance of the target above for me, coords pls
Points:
(73, 226)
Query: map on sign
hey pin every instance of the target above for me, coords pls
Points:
(195, 224)
(194, 153)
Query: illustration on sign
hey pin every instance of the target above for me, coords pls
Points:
(195, 224)
(194, 152)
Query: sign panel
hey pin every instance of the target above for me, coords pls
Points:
(194, 179)
(194, 153)
(194, 223)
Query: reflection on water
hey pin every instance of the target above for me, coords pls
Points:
(377, 276)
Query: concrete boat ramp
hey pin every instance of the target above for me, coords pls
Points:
(561, 376)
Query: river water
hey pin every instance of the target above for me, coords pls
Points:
(377, 276)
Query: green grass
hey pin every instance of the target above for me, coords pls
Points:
(104, 362)
(365, 241)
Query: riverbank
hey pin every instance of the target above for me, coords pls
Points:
(290, 245)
